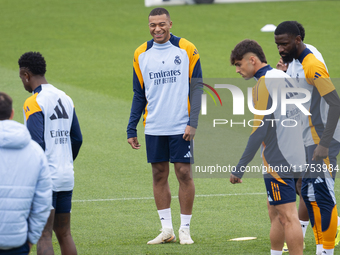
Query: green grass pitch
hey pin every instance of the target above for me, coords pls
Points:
(88, 46)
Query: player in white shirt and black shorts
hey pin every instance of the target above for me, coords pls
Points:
(50, 117)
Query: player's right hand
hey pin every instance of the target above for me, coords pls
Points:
(234, 179)
(320, 152)
(281, 65)
(133, 141)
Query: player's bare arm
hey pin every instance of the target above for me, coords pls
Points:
(133, 141)
(234, 179)
(189, 133)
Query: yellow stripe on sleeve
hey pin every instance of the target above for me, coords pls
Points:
(189, 106)
(192, 54)
(138, 72)
(270, 169)
(315, 135)
(145, 114)
(31, 106)
(317, 75)
(260, 100)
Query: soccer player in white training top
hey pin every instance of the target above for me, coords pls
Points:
(165, 70)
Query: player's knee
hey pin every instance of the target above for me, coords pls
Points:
(184, 174)
(283, 220)
(63, 234)
(287, 219)
(160, 168)
(159, 177)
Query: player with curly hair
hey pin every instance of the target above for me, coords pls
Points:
(53, 124)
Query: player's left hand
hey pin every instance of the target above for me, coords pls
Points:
(234, 179)
(320, 152)
(133, 141)
(281, 65)
(189, 133)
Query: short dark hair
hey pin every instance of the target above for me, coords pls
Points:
(245, 47)
(159, 11)
(5, 106)
(34, 62)
(301, 29)
(287, 27)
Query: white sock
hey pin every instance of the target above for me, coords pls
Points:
(272, 252)
(304, 225)
(165, 217)
(328, 251)
(318, 249)
(185, 221)
(338, 220)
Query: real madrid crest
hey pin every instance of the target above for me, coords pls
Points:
(177, 60)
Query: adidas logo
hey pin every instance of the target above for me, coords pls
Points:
(318, 180)
(317, 75)
(60, 114)
(195, 52)
(162, 218)
(270, 199)
(188, 155)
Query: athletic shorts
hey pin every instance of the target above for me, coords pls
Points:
(62, 201)
(280, 191)
(318, 180)
(171, 148)
(22, 250)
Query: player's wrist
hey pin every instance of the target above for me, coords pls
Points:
(131, 135)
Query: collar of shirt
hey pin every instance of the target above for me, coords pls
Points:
(37, 89)
(162, 46)
(304, 54)
(262, 71)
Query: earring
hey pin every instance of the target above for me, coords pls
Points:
(26, 80)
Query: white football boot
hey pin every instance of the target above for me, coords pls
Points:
(184, 236)
(166, 236)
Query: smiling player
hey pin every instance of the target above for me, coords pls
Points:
(164, 70)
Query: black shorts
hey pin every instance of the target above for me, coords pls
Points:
(171, 148)
(62, 201)
(280, 191)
